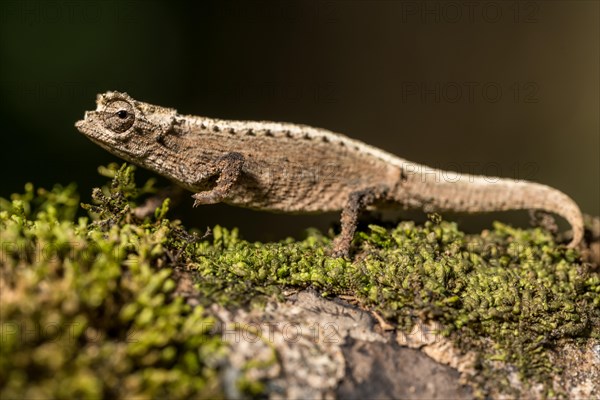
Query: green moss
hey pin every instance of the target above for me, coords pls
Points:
(104, 285)
(88, 308)
(515, 287)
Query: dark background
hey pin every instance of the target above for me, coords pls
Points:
(499, 87)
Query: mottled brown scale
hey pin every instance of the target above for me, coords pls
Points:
(296, 168)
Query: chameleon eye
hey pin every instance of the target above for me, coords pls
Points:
(118, 116)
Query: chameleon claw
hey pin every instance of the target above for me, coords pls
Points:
(209, 197)
(340, 248)
(340, 254)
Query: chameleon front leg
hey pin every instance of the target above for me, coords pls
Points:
(357, 202)
(229, 168)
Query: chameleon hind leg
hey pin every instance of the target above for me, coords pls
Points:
(357, 202)
(229, 169)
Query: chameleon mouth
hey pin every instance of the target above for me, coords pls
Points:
(88, 126)
(82, 123)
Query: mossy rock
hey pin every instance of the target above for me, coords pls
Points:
(114, 305)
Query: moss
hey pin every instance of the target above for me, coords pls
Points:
(89, 305)
(88, 308)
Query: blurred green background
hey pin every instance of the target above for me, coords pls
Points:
(499, 87)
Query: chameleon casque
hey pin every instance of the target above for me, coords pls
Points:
(294, 168)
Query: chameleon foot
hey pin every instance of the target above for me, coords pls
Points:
(357, 202)
(229, 168)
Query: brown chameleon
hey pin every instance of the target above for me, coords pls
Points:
(285, 167)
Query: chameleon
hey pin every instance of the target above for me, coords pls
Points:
(292, 168)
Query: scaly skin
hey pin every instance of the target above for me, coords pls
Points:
(293, 168)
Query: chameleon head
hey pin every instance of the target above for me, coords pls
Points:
(124, 126)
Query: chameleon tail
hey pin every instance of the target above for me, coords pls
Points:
(470, 193)
(531, 195)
